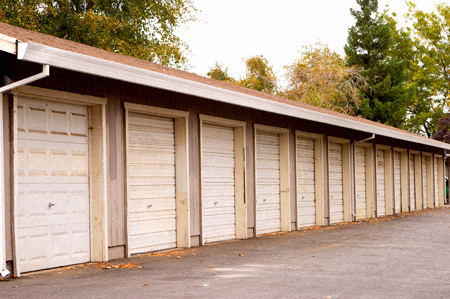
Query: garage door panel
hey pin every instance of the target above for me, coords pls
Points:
(151, 180)
(154, 241)
(397, 182)
(381, 193)
(52, 207)
(53, 246)
(336, 182)
(221, 202)
(218, 183)
(159, 206)
(137, 158)
(157, 224)
(425, 181)
(360, 182)
(412, 183)
(436, 183)
(268, 215)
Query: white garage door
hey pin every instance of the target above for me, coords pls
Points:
(360, 182)
(306, 199)
(424, 184)
(436, 184)
(219, 221)
(151, 181)
(397, 182)
(53, 185)
(336, 183)
(268, 216)
(381, 194)
(412, 183)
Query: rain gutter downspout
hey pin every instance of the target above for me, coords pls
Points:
(364, 140)
(20, 47)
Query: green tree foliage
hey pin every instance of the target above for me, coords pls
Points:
(425, 44)
(259, 75)
(321, 78)
(387, 98)
(139, 28)
(219, 73)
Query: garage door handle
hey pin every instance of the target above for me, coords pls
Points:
(50, 204)
(149, 206)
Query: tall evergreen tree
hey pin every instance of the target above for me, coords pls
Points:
(387, 98)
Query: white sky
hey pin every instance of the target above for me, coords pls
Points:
(232, 30)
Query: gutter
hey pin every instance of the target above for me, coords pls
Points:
(42, 54)
(364, 140)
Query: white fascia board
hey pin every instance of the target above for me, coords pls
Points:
(104, 68)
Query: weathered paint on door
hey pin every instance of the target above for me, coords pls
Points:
(336, 183)
(268, 215)
(151, 181)
(397, 183)
(412, 183)
(381, 190)
(306, 198)
(424, 182)
(218, 190)
(360, 182)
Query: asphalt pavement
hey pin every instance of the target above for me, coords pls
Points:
(404, 256)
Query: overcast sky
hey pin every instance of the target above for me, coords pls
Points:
(231, 30)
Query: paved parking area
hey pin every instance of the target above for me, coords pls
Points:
(406, 256)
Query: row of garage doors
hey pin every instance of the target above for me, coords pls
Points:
(53, 182)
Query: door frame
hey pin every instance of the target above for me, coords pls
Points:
(181, 169)
(98, 196)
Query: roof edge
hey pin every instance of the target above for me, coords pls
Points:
(64, 59)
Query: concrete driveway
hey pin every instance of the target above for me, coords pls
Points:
(406, 256)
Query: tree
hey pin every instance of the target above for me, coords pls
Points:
(219, 73)
(443, 130)
(139, 28)
(369, 40)
(425, 43)
(321, 78)
(259, 75)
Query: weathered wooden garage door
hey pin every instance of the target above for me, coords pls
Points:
(397, 182)
(360, 182)
(412, 183)
(219, 221)
(381, 194)
(436, 183)
(424, 182)
(53, 185)
(336, 183)
(151, 182)
(306, 199)
(268, 215)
